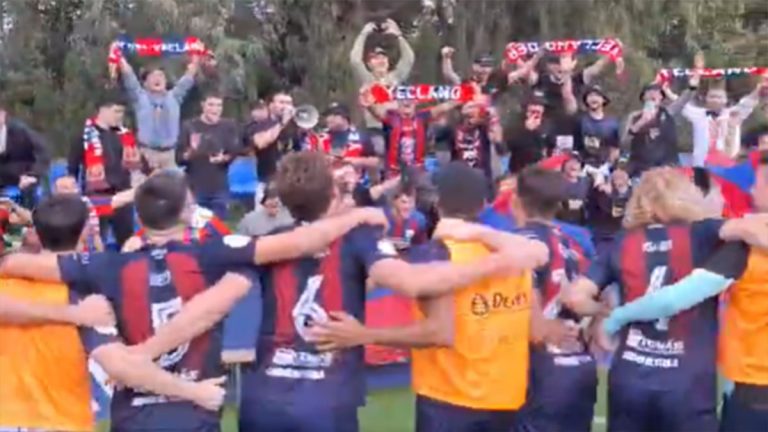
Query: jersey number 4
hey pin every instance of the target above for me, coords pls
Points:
(657, 280)
(307, 310)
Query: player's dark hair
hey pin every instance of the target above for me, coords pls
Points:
(461, 191)
(161, 199)
(59, 221)
(540, 192)
(305, 184)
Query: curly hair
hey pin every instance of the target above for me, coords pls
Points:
(305, 185)
(664, 195)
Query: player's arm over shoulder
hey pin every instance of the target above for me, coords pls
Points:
(581, 295)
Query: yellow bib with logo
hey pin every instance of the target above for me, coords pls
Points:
(487, 367)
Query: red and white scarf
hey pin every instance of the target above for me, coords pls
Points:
(155, 47)
(93, 160)
(666, 75)
(516, 52)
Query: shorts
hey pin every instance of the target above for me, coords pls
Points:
(436, 416)
(562, 399)
(278, 416)
(632, 407)
(743, 412)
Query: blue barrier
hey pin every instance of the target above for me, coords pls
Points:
(57, 170)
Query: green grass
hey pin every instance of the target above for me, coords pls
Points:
(393, 411)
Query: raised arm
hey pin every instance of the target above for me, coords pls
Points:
(356, 54)
(187, 81)
(407, 57)
(592, 71)
(130, 81)
(446, 64)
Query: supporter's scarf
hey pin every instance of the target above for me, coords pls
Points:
(131, 155)
(154, 47)
(666, 75)
(423, 93)
(610, 47)
(93, 161)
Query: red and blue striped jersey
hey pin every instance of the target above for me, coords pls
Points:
(297, 293)
(147, 288)
(669, 352)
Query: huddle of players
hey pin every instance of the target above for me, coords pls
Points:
(471, 347)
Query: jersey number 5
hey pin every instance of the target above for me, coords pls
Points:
(162, 313)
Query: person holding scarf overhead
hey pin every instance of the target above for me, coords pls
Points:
(158, 109)
(105, 154)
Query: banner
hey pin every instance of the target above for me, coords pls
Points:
(516, 52)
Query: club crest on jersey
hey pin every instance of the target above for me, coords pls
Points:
(236, 241)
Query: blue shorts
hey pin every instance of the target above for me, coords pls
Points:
(561, 399)
(278, 416)
(636, 408)
(741, 413)
(436, 416)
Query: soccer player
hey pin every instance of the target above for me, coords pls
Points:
(663, 375)
(148, 288)
(743, 334)
(294, 387)
(470, 348)
(563, 386)
(45, 383)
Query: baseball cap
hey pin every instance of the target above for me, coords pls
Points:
(337, 108)
(485, 60)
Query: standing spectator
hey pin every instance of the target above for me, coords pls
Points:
(406, 130)
(271, 137)
(158, 110)
(577, 189)
(24, 157)
(266, 217)
(342, 140)
(651, 134)
(531, 141)
(606, 205)
(106, 158)
(476, 136)
(206, 147)
(407, 226)
(598, 134)
(375, 69)
(711, 123)
(492, 81)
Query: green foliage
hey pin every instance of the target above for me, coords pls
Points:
(53, 52)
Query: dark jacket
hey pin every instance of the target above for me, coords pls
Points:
(117, 176)
(26, 153)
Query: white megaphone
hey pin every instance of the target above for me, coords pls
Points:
(306, 117)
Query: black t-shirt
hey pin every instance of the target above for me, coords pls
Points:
(553, 93)
(574, 207)
(267, 158)
(527, 147)
(204, 176)
(472, 145)
(606, 211)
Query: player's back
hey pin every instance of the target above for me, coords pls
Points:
(487, 366)
(301, 291)
(645, 259)
(44, 383)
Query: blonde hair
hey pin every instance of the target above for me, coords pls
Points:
(664, 195)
